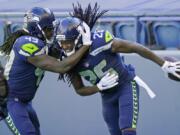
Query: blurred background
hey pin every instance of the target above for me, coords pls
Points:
(153, 23)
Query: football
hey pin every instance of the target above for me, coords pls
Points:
(171, 76)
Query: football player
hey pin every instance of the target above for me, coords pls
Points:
(28, 58)
(121, 103)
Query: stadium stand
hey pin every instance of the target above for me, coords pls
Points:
(131, 20)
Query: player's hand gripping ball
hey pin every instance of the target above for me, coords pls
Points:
(171, 76)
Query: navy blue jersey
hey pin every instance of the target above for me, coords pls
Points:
(23, 77)
(101, 60)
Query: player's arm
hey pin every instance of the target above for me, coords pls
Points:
(116, 45)
(48, 63)
(124, 46)
(81, 89)
(106, 82)
(119, 45)
(51, 64)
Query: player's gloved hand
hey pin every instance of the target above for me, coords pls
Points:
(107, 82)
(84, 30)
(171, 67)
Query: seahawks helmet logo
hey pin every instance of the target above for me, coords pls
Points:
(31, 18)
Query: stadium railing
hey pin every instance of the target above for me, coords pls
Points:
(149, 30)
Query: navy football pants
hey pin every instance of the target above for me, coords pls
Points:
(121, 107)
(22, 119)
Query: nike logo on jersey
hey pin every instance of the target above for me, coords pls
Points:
(86, 64)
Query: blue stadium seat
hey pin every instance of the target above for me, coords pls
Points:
(1, 33)
(125, 30)
(167, 34)
(143, 31)
(15, 27)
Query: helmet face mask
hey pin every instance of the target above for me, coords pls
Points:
(67, 34)
(68, 46)
(49, 32)
(39, 23)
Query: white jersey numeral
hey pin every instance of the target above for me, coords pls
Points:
(98, 35)
(32, 39)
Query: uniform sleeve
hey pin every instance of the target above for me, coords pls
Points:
(101, 42)
(29, 47)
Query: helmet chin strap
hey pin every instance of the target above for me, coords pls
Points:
(25, 29)
(77, 39)
(75, 44)
(71, 52)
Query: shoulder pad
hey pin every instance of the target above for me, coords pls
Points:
(28, 45)
(101, 42)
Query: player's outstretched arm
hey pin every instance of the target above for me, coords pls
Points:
(124, 46)
(51, 64)
(48, 63)
(106, 82)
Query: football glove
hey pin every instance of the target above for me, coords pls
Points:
(107, 82)
(84, 30)
(171, 67)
